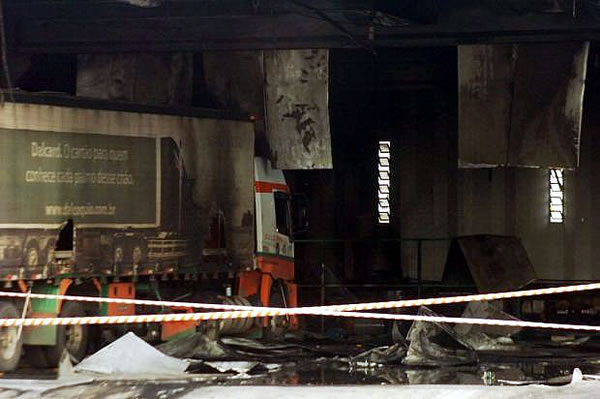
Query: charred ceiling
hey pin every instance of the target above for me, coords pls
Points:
(42, 26)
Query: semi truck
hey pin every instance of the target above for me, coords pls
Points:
(123, 201)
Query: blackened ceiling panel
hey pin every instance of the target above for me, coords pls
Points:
(521, 104)
(485, 78)
(297, 92)
(547, 104)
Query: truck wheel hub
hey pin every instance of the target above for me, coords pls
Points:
(8, 342)
(73, 338)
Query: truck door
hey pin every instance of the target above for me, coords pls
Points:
(274, 247)
(273, 212)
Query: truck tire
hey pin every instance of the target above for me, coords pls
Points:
(31, 257)
(48, 253)
(10, 344)
(138, 253)
(118, 253)
(236, 326)
(74, 339)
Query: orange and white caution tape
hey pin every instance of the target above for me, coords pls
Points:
(128, 301)
(175, 317)
(406, 303)
(351, 310)
(461, 298)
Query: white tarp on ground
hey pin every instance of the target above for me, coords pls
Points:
(131, 355)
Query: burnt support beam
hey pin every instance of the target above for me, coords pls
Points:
(89, 26)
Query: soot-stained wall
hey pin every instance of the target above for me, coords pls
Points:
(410, 98)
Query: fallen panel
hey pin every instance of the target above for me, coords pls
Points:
(297, 91)
(493, 263)
(131, 355)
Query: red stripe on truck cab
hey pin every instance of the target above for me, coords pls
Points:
(268, 187)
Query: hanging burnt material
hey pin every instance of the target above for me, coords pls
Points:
(521, 104)
(297, 88)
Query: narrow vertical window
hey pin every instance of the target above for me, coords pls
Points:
(383, 182)
(557, 198)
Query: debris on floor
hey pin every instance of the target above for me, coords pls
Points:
(237, 367)
(568, 340)
(380, 355)
(436, 344)
(487, 338)
(131, 355)
(199, 346)
(195, 346)
(65, 366)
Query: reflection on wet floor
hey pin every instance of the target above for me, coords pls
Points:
(438, 356)
(338, 371)
(332, 372)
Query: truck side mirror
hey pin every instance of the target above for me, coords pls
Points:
(299, 214)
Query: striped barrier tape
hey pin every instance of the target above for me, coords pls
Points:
(405, 303)
(175, 317)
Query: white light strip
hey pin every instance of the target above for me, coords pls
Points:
(383, 182)
(556, 196)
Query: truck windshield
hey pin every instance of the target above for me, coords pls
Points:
(282, 212)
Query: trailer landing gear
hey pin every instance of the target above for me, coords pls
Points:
(277, 326)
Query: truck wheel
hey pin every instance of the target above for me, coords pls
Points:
(236, 326)
(138, 253)
(10, 344)
(48, 254)
(32, 255)
(72, 338)
(118, 253)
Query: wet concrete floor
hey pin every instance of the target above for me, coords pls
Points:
(492, 369)
(549, 366)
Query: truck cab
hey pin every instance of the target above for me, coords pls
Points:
(271, 280)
